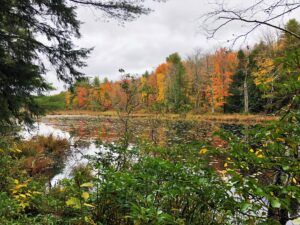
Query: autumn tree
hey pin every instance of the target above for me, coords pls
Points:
(277, 66)
(105, 91)
(223, 69)
(82, 98)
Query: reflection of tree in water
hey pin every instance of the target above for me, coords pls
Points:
(154, 130)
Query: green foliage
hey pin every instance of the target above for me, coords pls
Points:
(53, 102)
(246, 66)
(262, 170)
(235, 101)
(177, 91)
(171, 188)
(34, 33)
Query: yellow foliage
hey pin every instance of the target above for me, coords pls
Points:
(202, 151)
(89, 220)
(85, 195)
(21, 193)
(143, 83)
(280, 139)
(294, 180)
(161, 79)
(87, 185)
(68, 99)
(73, 202)
(265, 74)
(259, 154)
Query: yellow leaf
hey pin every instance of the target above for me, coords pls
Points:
(19, 186)
(294, 180)
(22, 195)
(223, 173)
(87, 185)
(251, 150)
(280, 139)
(260, 156)
(89, 205)
(85, 195)
(258, 152)
(299, 78)
(202, 151)
(225, 165)
(74, 202)
(89, 220)
(24, 204)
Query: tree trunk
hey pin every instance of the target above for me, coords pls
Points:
(246, 93)
(246, 96)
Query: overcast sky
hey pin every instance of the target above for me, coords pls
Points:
(143, 44)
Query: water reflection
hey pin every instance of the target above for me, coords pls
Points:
(163, 132)
(83, 132)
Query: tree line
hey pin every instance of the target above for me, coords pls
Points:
(245, 81)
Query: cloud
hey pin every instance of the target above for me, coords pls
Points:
(143, 44)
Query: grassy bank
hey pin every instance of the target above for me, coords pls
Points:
(234, 118)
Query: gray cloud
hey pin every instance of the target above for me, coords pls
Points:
(141, 45)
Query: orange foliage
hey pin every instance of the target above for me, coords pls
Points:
(82, 96)
(161, 73)
(224, 65)
(105, 92)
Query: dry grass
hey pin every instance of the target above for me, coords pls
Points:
(229, 118)
(41, 154)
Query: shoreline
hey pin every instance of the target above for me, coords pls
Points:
(229, 118)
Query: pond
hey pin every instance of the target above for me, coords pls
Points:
(83, 132)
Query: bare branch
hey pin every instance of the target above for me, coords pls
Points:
(260, 13)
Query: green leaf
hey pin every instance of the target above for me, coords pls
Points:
(245, 206)
(275, 203)
(285, 168)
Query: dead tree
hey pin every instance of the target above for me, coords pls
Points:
(257, 14)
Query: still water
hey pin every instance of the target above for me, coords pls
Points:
(83, 131)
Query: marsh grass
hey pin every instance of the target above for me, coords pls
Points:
(225, 118)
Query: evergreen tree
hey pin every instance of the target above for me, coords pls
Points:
(31, 29)
(96, 82)
(235, 101)
(256, 101)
